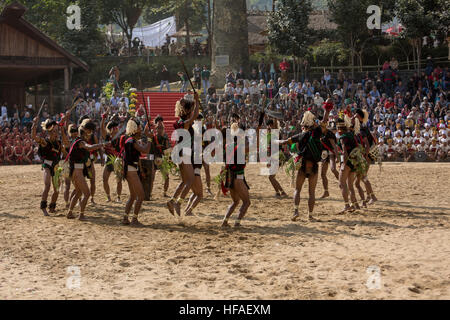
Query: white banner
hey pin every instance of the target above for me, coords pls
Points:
(155, 34)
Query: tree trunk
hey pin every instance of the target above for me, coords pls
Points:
(419, 54)
(186, 24)
(230, 38)
(360, 61)
(293, 68)
(352, 54)
(209, 28)
(129, 36)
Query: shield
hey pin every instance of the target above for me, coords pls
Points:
(420, 156)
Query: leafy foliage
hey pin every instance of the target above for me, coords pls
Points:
(288, 27)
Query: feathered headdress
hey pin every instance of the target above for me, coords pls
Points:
(189, 97)
(366, 116)
(357, 126)
(308, 119)
(48, 125)
(347, 121)
(132, 127)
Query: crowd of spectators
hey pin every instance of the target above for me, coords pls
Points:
(409, 114)
(400, 106)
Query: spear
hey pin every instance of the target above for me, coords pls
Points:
(189, 78)
(40, 109)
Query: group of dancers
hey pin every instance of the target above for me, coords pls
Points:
(73, 149)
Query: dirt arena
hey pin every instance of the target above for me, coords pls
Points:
(396, 249)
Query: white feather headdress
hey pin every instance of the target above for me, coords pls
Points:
(308, 119)
(357, 126)
(348, 121)
(132, 128)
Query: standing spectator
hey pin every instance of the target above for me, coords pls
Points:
(114, 100)
(394, 64)
(184, 81)
(87, 92)
(5, 109)
(197, 76)
(205, 78)
(273, 71)
(164, 75)
(95, 92)
(211, 92)
(262, 70)
(240, 76)
(173, 49)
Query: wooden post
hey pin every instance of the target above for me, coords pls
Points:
(36, 97)
(66, 86)
(52, 106)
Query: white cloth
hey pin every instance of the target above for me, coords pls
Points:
(155, 34)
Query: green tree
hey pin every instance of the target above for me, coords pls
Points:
(50, 17)
(189, 13)
(89, 41)
(351, 19)
(419, 19)
(124, 13)
(288, 29)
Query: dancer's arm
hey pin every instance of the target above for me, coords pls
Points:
(93, 147)
(195, 113)
(103, 125)
(64, 138)
(34, 136)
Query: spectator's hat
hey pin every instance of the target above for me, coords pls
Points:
(425, 98)
(387, 134)
(399, 140)
(427, 125)
(422, 140)
(442, 126)
(407, 132)
(426, 135)
(399, 115)
(443, 140)
(381, 140)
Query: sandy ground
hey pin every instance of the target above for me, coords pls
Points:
(397, 249)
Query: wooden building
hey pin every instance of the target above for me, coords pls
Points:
(29, 58)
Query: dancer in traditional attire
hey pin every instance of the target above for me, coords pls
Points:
(131, 151)
(279, 192)
(109, 131)
(70, 137)
(79, 158)
(329, 143)
(160, 145)
(349, 158)
(50, 149)
(310, 149)
(197, 185)
(235, 172)
(367, 141)
(187, 110)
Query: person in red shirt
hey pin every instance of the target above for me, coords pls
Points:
(18, 152)
(284, 67)
(9, 156)
(389, 104)
(28, 152)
